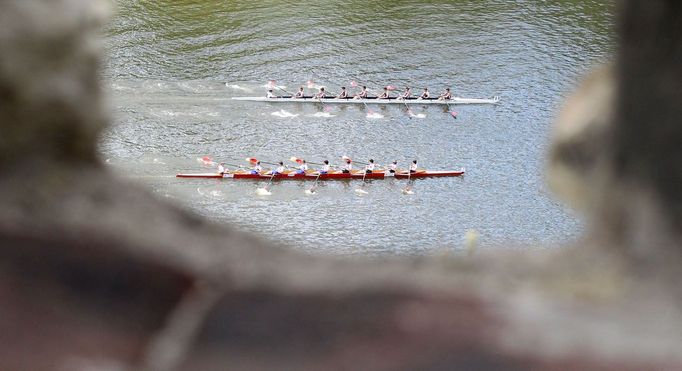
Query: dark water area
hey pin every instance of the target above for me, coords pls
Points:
(172, 67)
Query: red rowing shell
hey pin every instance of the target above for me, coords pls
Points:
(328, 176)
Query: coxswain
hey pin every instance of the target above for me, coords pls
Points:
(347, 167)
(343, 94)
(446, 95)
(385, 94)
(407, 94)
(221, 168)
(362, 94)
(413, 166)
(257, 168)
(300, 93)
(321, 94)
(325, 167)
(303, 168)
(392, 167)
(369, 168)
(425, 94)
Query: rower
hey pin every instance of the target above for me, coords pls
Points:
(343, 94)
(279, 170)
(369, 168)
(392, 167)
(407, 94)
(271, 94)
(362, 94)
(303, 168)
(413, 166)
(385, 94)
(300, 93)
(257, 168)
(325, 167)
(221, 168)
(425, 94)
(446, 95)
(347, 167)
(321, 94)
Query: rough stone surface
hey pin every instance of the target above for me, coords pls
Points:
(95, 274)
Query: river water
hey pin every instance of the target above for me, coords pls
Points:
(173, 65)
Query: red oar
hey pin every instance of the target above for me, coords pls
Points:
(206, 160)
(344, 158)
(300, 161)
(254, 160)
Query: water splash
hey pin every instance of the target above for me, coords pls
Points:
(237, 87)
(322, 114)
(284, 114)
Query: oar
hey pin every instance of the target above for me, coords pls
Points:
(389, 88)
(277, 87)
(235, 165)
(314, 187)
(451, 112)
(360, 190)
(408, 190)
(265, 191)
(348, 158)
(296, 160)
(369, 111)
(409, 110)
(254, 160)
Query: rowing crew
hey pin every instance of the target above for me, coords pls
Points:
(345, 168)
(363, 94)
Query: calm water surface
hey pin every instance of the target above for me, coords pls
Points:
(173, 66)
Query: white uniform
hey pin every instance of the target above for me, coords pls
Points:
(348, 166)
(325, 168)
(369, 167)
(221, 168)
(280, 169)
(303, 168)
(392, 167)
(270, 95)
(413, 167)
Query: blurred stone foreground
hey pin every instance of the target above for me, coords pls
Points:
(96, 274)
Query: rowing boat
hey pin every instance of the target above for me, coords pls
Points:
(312, 175)
(308, 99)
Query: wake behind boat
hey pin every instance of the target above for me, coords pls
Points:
(370, 100)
